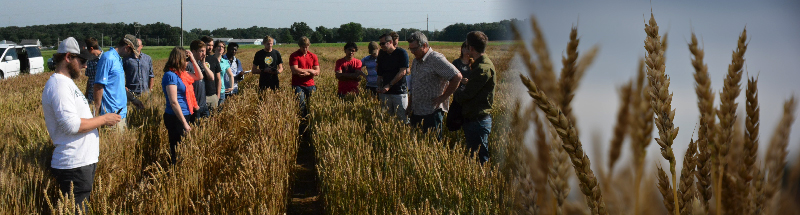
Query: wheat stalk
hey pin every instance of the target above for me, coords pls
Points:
(568, 82)
(666, 191)
(776, 152)
(573, 146)
(705, 102)
(641, 128)
(540, 47)
(559, 172)
(661, 99)
(686, 187)
(621, 128)
(727, 110)
(751, 130)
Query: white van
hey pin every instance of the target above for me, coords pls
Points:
(16, 59)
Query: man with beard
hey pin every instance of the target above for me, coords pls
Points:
(70, 124)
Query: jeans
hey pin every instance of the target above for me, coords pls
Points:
(433, 120)
(396, 104)
(201, 113)
(303, 95)
(80, 180)
(175, 131)
(221, 97)
(476, 133)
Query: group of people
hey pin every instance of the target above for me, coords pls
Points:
(197, 81)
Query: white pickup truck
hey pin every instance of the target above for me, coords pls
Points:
(16, 59)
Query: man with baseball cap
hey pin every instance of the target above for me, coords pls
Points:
(109, 81)
(70, 124)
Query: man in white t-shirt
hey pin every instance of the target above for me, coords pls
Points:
(69, 121)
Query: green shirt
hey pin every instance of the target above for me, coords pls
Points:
(477, 96)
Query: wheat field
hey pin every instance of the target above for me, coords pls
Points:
(244, 159)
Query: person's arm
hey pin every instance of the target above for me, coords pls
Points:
(229, 83)
(300, 72)
(208, 72)
(108, 119)
(172, 92)
(150, 73)
(396, 79)
(255, 69)
(197, 74)
(279, 69)
(474, 85)
(98, 98)
(67, 118)
(452, 86)
(218, 79)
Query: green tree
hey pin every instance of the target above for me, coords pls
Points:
(300, 29)
(351, 32)
(286, 37)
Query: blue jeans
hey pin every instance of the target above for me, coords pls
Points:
(303, 95)
(221, 97)
(476, 133)
(430, 121)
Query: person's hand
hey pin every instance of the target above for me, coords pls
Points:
(228, 90)
(464, 80)
(439, 100)
(187, 127)
(189, 53)
(111, 119)
(385, 88)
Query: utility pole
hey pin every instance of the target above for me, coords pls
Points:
(102, 40)
(426, 23)
(181, 23)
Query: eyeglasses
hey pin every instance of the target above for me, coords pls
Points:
(414, 49)
(382, 43)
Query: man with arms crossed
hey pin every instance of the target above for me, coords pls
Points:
(392, 70)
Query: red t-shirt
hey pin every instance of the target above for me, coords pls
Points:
(303, 62)
(348, 67)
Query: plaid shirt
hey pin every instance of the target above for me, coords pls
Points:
(91, 69)
(138, 72)
(429, 77)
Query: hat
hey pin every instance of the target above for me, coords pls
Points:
(131, 41)
(70, 45)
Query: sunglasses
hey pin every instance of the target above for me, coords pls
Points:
(382, 43)
(83, 61)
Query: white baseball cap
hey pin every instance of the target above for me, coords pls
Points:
(70, 45)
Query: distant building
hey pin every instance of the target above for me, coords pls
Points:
(7, 42)
(31, 42)
(226, 40)
(246, 41)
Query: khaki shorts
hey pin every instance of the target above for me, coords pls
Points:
(212, 101)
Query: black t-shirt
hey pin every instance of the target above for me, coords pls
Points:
(388, 67)
(211, 85)
(263, 60)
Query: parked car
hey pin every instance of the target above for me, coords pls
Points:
(16, 59)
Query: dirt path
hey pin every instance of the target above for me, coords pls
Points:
(305, 198)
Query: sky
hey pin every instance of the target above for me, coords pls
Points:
(209, 15)
(617, 27)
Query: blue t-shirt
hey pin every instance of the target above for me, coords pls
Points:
(372, 73)
(170, 78)
(225, 65)
(110, 74)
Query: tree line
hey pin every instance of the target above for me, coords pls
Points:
(162, 34)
